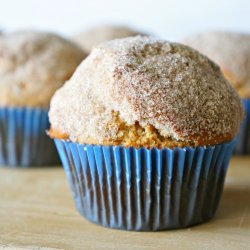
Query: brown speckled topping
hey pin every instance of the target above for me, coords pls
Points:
(33, 65)
(172, 87)
(229, 50)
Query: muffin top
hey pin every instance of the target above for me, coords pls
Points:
(92, 37)
(141, 91)
(33, 65)
(229, 50)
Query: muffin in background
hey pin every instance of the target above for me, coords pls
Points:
(33, 65)
(147, 138)
(92, 37)
(231, 51)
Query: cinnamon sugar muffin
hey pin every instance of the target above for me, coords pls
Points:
(149, 129)
(32, 66)
(92, 37)
(231, 51)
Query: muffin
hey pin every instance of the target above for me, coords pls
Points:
(92, 37)
(32, 66)
(231, 51)
(145, 129)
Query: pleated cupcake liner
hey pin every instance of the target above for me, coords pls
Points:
(242, 146)
(145, 189)
(23, 141)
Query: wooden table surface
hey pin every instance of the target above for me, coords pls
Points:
(37, 212)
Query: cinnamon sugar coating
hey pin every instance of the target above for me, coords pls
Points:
(144, 82)
(33, 65)
(231, 51)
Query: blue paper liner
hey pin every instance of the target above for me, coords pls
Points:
(23, 141)
(242, 146)
(145, 189)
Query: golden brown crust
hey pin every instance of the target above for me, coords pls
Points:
(150, 143)
(56, 134)
(138, 136)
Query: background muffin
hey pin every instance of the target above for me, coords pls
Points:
(133, 127)
(32, 66)
(92, 37)
(231, 51)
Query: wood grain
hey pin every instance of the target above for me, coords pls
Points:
(37, 212)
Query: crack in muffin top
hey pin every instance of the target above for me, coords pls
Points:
(169, 86)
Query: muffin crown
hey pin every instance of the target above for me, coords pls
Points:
(231, 51)
(33, 65)
(169, 86)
